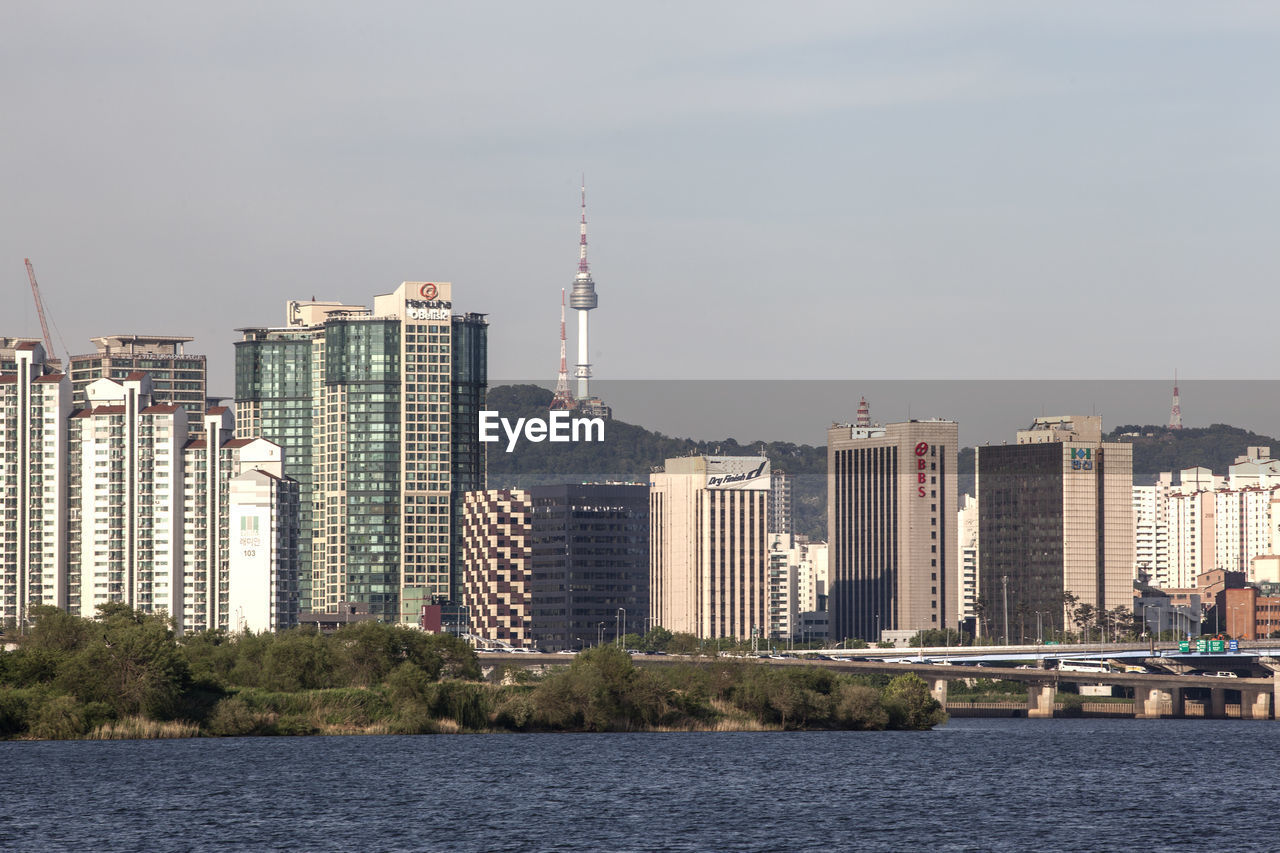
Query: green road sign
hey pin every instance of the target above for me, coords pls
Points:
(1202, 646)
(1184, 646)
(1217, 646)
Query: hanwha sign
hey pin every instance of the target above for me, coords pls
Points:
(921, 477)
(428, 291)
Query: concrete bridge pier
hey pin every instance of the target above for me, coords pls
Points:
(1040, 701)
(1217, 703)
(1255, 704)
(1148, 703)
(940, 691)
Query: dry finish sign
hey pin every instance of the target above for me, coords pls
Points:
(738, 472)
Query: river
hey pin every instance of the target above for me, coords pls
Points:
(974, 784)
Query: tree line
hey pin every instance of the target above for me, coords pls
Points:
(126, 675)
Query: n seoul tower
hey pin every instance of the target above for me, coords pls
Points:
(582, 299)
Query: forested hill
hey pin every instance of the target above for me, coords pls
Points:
(629, 452)
(1158, 448)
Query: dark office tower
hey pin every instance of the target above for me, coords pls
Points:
(470, 383)
(590, 563)
(177, 377)
(1055, 517)
(378, 387)
(891, 519)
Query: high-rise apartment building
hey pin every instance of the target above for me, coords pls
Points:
(891, 521)
(1055, 518)
(797, 583)
(176, 376)
(708, 545)
(1151, 531)
(34, 405)
(115, 502)
(262, 580)
(377, 409)
(968, 559)
(780, 503)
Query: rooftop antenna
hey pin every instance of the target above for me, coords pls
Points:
(1175, 413)
(563, 398)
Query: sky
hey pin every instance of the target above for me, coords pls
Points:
(833, 191)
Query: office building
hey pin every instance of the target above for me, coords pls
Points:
(377, 411)
(590, 569)
(497, 564)
(177, 376)
(1055, 519)
(709, 545)
(891, 521)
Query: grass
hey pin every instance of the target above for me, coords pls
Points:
(140, 728)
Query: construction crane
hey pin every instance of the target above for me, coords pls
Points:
(44, 324)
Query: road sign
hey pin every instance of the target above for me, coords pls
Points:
(1217, 646)
(1184, 646)
(1234, 645)
(1202, 646)
(1051, 642)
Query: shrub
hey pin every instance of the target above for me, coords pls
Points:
(911, 705)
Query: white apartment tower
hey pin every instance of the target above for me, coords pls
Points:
(121, 505)
(34, 404)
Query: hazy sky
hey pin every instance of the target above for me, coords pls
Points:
(802, 190)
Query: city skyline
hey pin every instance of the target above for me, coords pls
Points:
(888, 191)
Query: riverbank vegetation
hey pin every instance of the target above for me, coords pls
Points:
(125, 675)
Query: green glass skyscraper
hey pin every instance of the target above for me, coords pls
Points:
(377, 411)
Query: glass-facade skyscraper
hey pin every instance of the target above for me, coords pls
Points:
(377, 410)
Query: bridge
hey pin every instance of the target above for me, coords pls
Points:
(1156, 694)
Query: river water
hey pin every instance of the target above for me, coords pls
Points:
(974, 784)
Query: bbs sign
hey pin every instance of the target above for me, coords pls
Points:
(922, 467)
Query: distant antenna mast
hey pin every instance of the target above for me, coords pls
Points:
(563, 398)
(44, 324)
(1175, 413)
(864, 413)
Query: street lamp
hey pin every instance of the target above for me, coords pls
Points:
(1005, 580)
(621, 620)
(600, 635)
(1233, 623)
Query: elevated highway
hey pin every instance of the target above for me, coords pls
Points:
(1154, 692)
